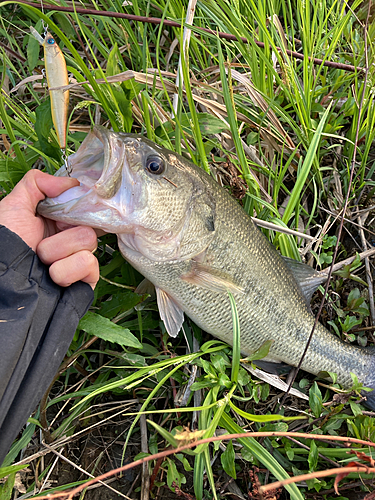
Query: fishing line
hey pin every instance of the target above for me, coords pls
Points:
(44, 24)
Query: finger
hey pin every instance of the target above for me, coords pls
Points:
(36, 185)
(68, 242)
(81, 266)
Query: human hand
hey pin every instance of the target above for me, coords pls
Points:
(68, 253)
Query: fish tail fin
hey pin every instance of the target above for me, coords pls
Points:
(370, 380)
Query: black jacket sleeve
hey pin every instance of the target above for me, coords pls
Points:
(37, 322)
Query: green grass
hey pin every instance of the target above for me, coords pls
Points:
(279, 133)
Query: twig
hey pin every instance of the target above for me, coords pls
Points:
(167, 22)
(281, 229)
(368, 272)
(313, 475)
(349, 260)
(69, 495)
(347, 486)
(343, 213)
(348, 220)
(13, 53)
(116, 284)
(274, 380)
(335, 464)
(85, 472)
(51, 469)
(43, 401)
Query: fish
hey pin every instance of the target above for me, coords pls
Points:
(57, 76)
(189, 238)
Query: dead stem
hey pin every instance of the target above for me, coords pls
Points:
(361, 220)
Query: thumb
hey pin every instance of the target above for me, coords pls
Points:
(37, 185)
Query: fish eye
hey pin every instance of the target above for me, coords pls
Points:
(155, 165)
(50, 41)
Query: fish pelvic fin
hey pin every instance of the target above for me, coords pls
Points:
(205, 276)
(170, 312)
(307, 278)
(145, 286)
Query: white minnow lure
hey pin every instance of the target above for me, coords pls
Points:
(57, 76)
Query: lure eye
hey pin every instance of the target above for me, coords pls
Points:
(50, 41)
(155, 165)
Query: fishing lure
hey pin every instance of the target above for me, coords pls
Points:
(57, 76)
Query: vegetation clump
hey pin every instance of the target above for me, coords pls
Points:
(282, 114)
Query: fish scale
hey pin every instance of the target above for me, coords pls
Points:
(272, 307)
(189, 238)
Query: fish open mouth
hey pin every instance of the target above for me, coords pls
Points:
(98, 166)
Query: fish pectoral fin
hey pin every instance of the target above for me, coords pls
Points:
(170, 312)
(213, 279)
(307, 278)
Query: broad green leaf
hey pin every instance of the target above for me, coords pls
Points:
(315, 400)
(112, 64)
(324, 374)
(172, 474)
(356, 409)
(346, 271)
(227, 460)
(185, 462)
(43, 125)
(11, 171)
(5, 471)
(166, 435)
(133, 359)
(33, 48)
(120, 302)
(349, 323)
(101, 327)
(313, 456)
(6, 489)
(220, 362)
(260, 353)
(64, 24)
(141, 455)
(262, 455)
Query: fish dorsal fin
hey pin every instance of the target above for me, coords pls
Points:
(170, 312)
(307, 278)
(213, 279)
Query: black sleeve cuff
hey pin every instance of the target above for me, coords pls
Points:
(37, 322)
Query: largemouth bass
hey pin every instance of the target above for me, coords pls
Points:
(188, 237)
